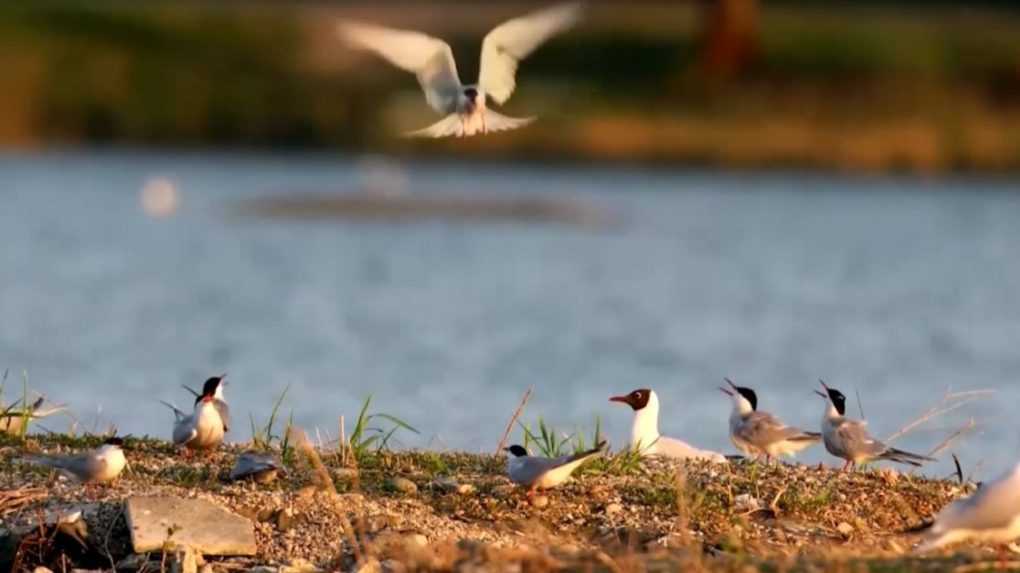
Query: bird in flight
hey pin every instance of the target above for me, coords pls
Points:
(465, 107)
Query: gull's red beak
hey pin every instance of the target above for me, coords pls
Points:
(618, 399)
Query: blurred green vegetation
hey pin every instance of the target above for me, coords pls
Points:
(871, 86)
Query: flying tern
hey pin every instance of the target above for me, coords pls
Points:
(465, 107)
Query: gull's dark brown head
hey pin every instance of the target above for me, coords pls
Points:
(637, 399)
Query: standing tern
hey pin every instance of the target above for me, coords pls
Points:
(215, 386)
(644, 433)
(850, 439)
(101, 465)
(757, 433)
(203, 429)
(544, 473)
(991, 515)
(431, 60)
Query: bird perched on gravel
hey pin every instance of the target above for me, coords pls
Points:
(991, 515)
(850, 439)
(256, 466)
(101, 465)
(537, 472)
(644, 433)
(465, 107)
(215, 386)
(203, 429)
(757, 433)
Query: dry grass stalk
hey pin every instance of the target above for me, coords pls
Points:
(951, 438)
(513, 419)
(15, 499)
(950, 401)
(320, 475)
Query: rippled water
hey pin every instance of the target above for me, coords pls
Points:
(897, 288)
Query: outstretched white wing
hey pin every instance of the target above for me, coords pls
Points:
(430, 59)
(512, 41)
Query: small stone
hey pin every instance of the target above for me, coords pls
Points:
(540, 501)
(285, 519)
(299, 565)
(465, 489)
(416, 540)
(370, 566)
(746, 503)
(403, 485)
(393, 566)
(845, 529)
(446, 484)
(613, 509)
(889, 476)
(184, 561)
(345, 474)
(41, 569)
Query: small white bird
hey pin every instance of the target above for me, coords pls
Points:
(644, 434)
(544, 473)
(850, 439)
(990, 515)
(101, 465)
(757, 433)
(431, 60)
(259, 467)
(203, 429)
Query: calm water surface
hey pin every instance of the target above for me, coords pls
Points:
(897, 288)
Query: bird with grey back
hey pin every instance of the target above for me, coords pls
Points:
(537, 472)
(257, 466)
(989, 515)
(757, 433)
(644, 434)
(465, 107)
(850, 440)
(101, 465)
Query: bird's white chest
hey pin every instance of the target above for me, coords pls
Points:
(112, 462)
(208, 426)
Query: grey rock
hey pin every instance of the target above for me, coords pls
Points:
(208, 528)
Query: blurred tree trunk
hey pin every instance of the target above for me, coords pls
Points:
(730, 35)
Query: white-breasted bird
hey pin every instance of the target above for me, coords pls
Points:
(757, 433)
(991, 515)
(101, 465)
(644, 434)
(203, 429)
(849, 439)
(215, 385)
(537, 472)
(465, 107)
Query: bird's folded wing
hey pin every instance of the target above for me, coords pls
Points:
(224, 411)
(992, 506)
(509, 43)
(430, 59)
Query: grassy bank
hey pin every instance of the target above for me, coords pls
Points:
(462, 511)
(874, 87)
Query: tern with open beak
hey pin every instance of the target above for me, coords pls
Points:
(203, 429)
(465, 107)
(757, 433)
(850, 439)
